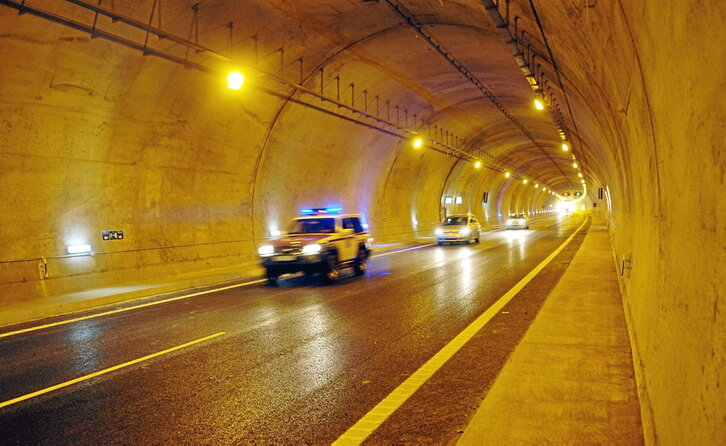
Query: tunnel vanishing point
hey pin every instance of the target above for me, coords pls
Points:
(121, 137)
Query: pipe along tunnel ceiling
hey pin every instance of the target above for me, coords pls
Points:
(115, 115)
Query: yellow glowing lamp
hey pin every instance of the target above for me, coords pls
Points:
(536, 186)
(565, 147)
(582, 181)
(538, 104)
(235, 80)
(507, 174)
(525, 181)
(477, 164)
(574, 165)
(579, 174)
(417, 143)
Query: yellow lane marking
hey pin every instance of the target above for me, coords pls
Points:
(159, 302)
(121, 310)
(104, 371)
(376, 416)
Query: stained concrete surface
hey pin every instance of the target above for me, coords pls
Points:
(571, 380)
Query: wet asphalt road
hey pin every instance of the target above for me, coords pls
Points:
(296, 364)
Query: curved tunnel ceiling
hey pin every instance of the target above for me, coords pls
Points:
(371, 47)
(115, 115)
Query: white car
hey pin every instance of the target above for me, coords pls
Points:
(322, 241)
(517, 221)
(458, 228)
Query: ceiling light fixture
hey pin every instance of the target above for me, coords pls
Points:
(235, 80)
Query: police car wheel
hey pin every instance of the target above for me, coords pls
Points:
(332, 267)
(271, 277)
(361, 262)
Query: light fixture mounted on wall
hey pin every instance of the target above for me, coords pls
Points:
(78, 250)
(235, 80)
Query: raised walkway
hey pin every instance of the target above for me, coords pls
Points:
(571, 379)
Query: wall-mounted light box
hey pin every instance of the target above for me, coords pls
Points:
(78, 249)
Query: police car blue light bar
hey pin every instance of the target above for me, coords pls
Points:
(316, 211)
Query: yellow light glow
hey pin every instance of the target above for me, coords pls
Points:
(574, 165)
(582, 181)
(536, 186)
(477, 164)
(525, 181)
(417, 143)
(579, 174)
(507, 174)
(538, 104)
(235, 80)
(565, 147)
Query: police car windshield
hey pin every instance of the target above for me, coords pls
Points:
(312, 226)
(455, 221)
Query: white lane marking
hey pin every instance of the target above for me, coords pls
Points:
(400, 250)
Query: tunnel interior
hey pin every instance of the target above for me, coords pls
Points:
(116, 116)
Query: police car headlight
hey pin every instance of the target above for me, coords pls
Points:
(311, 249)
(439, 231)
(266, 250)
(464, 231)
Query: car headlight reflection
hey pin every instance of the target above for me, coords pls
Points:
(311, 249)
(266, 250)
(464, 231)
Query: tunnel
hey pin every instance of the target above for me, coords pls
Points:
(128, 158)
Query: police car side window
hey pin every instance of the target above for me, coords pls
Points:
(357, 227)
(348, 223)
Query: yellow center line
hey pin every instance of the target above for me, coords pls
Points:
(121, 310)
(376, 416)
(104, 371)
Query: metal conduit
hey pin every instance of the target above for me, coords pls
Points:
(434, 143)
(407, 16)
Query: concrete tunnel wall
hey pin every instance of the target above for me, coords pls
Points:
(97, 137)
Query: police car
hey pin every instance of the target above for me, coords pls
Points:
(322, 240)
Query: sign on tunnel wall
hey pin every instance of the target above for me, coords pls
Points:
(112, 235)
